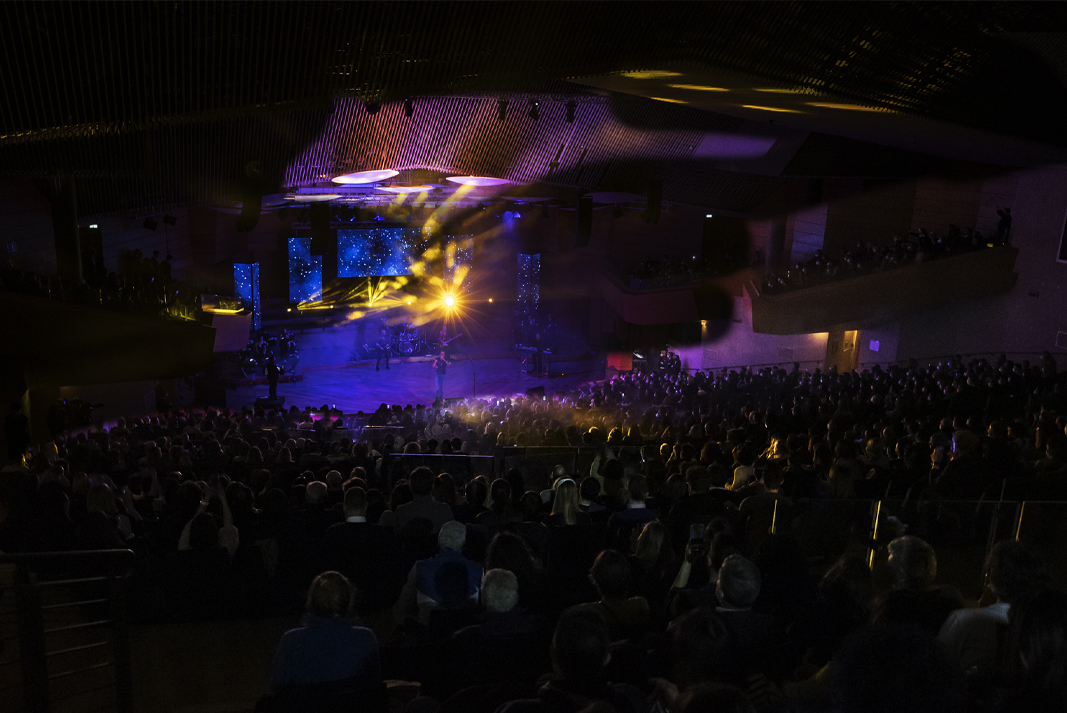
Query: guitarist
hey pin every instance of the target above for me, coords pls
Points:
(383, 350)
(443, 340)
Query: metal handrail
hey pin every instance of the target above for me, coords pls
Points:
(28, 586)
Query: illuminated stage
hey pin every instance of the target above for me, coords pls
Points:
(360, 387)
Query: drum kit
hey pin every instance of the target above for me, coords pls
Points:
(408, 341)
(404, 340)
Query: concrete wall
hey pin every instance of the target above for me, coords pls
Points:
(734, 344)
(1027, 318)
(121, 234)
(26, 235)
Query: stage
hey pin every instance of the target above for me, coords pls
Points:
(359, 387)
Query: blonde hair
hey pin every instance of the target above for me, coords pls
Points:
(566, 502)
(651, 542)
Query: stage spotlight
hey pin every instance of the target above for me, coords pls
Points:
(372, 108)
(571, 108)
(409, 108)
(481, 206)
(378, 216)
(534, 113)
(170, 220)
(450, 301)
(150, 223)
(501, 109)
(490, 299)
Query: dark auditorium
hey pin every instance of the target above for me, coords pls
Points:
(533, 357)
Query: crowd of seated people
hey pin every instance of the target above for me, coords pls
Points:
(920, 246)
(143, 285)
(642, 580)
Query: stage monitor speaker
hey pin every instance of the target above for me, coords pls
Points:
(268, 403)
(320, 228)
(654, 200)
(583, 221)
(537, 392)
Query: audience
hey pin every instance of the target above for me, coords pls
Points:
(730, 566)
(328, 649)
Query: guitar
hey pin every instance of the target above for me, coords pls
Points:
(444, 342)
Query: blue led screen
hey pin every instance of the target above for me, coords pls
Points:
(246, 285)
(372, 252)
(305, 272)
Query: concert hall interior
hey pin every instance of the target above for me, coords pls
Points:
(608, 308)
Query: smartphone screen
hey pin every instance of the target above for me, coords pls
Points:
(696, 531)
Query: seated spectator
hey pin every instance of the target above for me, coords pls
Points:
(968, 474)
(713, 698)
(565, 507)
(1037, 636)
(366, 553)
(892, 668)
(317, 516)
(329, 651)
(202, 533)
(502, 512)
(423, 505)
(588, 492)
(653, 566)
(636, 513)
(971, 637)
(737, 587)
(627, 616)
(510, 552)
(419, 595)
(580, 653)
(915, 599)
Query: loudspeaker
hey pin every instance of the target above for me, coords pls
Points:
(537, 392)
(268, 403)
(654, 200)
(320, 228)
(583, 221)
(251, 205)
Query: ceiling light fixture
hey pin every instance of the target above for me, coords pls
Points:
(771, 108)
(651, 74)
(849, 107)
(476, 180)
(366, 176)
(698, 87)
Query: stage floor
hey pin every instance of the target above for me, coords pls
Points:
(361, 388)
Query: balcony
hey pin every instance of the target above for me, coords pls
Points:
(71, 344)
(859, 301)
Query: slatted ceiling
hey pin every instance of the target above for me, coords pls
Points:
(463, 135)
(85, 80)
(826, 155)
(85, 63)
